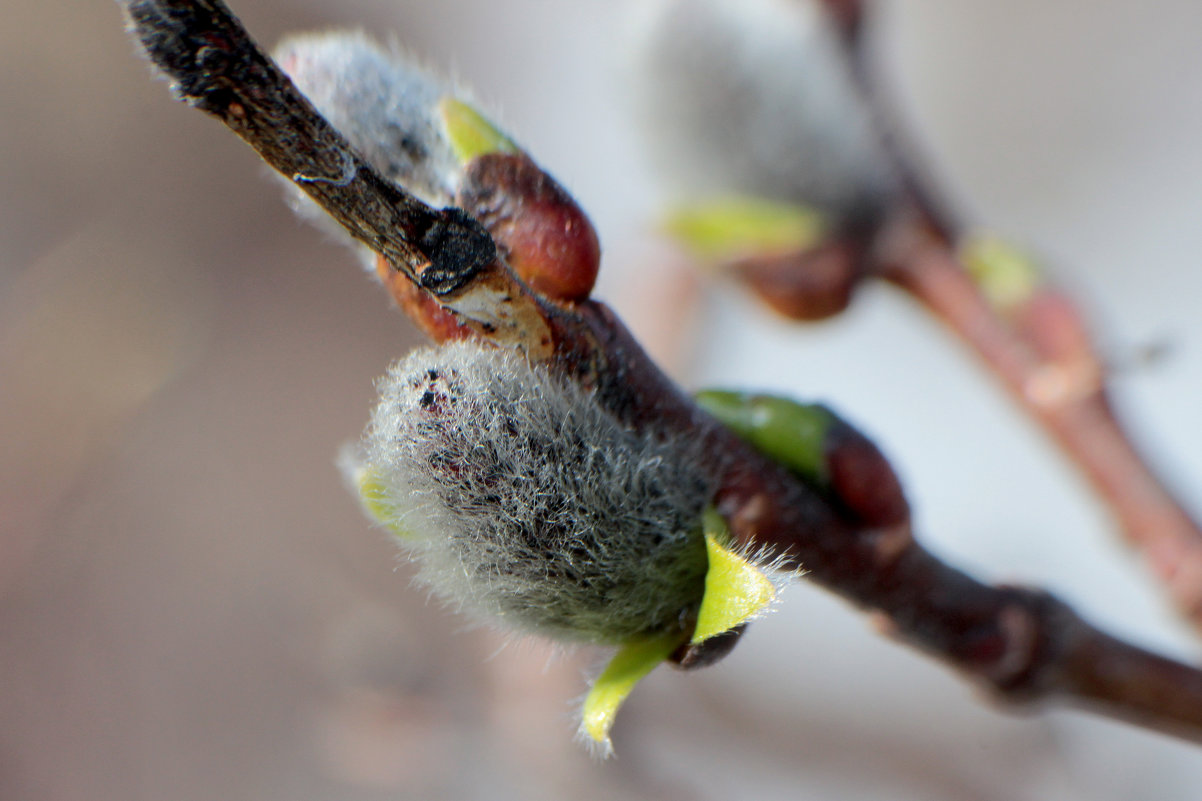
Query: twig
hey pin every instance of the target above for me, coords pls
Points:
(1042, 353)
(216, 67)
(1065, 393)
(1040, 348)
(854, 539)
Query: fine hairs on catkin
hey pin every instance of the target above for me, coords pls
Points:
(523, 500)
(519, 496)
(385, 104)
(382, 101)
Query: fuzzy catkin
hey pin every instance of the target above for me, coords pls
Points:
(757, 97)
(382, 101)
(524, 500)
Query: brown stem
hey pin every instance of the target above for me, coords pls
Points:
(215, 66)
(1048, 363)
(1022, 643)
(1102, 673)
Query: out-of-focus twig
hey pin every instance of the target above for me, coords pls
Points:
(1042, 352)
(1054, 375)
(853, 537)
(1037, 342)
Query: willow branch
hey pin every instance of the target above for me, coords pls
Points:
(1067, 395)
(1044, 356)
(1038, 345)
(854, 538)
(215, 66)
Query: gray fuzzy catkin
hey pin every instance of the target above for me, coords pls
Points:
(523, 500)
(382, 102)
(757, 97)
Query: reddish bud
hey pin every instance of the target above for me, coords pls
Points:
(810, 285)
(862, 480)
(420, 306)
(690, 656)
(543, 234)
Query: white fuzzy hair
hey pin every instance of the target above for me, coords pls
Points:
(524, 500)
(382, 101)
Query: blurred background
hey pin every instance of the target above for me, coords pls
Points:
(192, 607)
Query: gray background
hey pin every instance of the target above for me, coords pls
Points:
(191, 607)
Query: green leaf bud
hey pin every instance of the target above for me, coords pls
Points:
(723, 229)
(469, 133)
(1007, 277)
(792, 433)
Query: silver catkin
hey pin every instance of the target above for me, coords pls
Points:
(382, 101)
(757, 97)
(523, 500)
